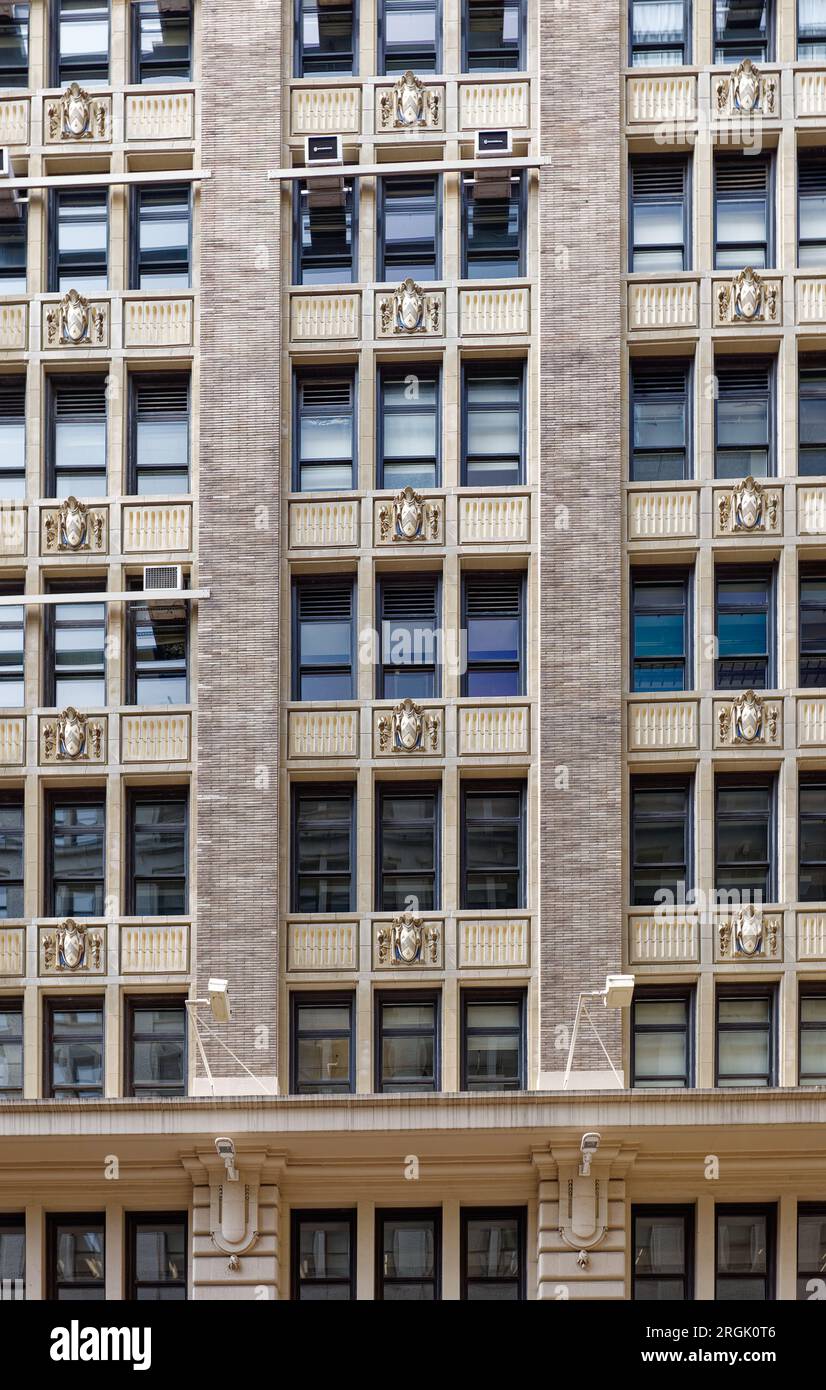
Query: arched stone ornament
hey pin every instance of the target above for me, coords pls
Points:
(233, 1215)
(583, 1207)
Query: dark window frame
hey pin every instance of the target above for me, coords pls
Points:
(818, 38)
(384, 1214)
(13, 1004)
(134, 1219)
(807, 1209)
(411, 56)
(661, 47)
(769, 782)
(13, 1224)
(730, 57)
(93, 1220)
(517, 1214)
(11, 796)
(79, 380)
(659, 782)
(728, 574)
(641, 575)
(82, 1002)
(770, 228)
(652, 994)
(688, 1213)
(409, 788)
(13, 675)
(321, 583)
(151, 796)
(755, 990)
(134, 1003)
(336, 372)
(491, 995)
(507, 787)
(337, 998)
(160, 65)
(149, 378)
(10, 387)
(655, 161)
(809, 362)
(810, 574)
(301, 1216)
(425, 371)
(19, 72)
(8, 276)
(483, 366)
(49, 640)
(299, 59)
(808, 989)
(90, 195)
(521, 201)
(390, 274)
(522, 46)
(407, 996)
(468, 577)
(320, 789)
(131, 649)
(767, 1209)
(351, 192)
(74, 796)
(746, 363)
(811, 158)
(63, 71)
(687, 396)
(136, 269)
(386, 581)
(808, 779)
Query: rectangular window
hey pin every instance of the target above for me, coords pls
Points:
(660, 420)
(161, 230)
(493, 1040)
(11, 1046)
(80, 240)
(493, 220)
(493, 1255)
(746, 1045)
(13, 234)
(325, 234)
(77, 839)
(745, 835)
(76, 650)
(76, 437)
(158, 835)
(324, 638)
(660, 215)
(662, 1048)
(323, 1048)
(811, 31)
(742, 29)
(12, 1258)
(811, 208)
(410, 35)
(408, 847)
(660, 630)
(156, 1047)
(74, 1048)
(493, 846)
(745, 630)
(409, 228)
(12, 437)
(660, 33)
(81, 42)
(663, 1254)
(494, 621)
(159, 433)
(813, 629)
(408, 1256)
(161, 41)
(323, 848)
(408, 606)
(158, 639)
(743, 212)
(76, 1258)
(745, 1254)
(811, 1250)
(409, 444)
(12, 649)
(407, 1047)
(156, 1246)
(811, 453)
(14, 46)
(323, 1258)
(11, 853)
(660, 838)
(744, 418)
(325, 439)
(325, 39)
(812, 838)
(812, 1041)
(493, 34)
(493, 424)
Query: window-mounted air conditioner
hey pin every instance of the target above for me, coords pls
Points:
(161, 577)
(493, 144)
(324, 151)
(11, 203)
(492, 183)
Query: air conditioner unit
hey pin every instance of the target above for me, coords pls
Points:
(162, 577)
(493, 144)
(11, 203)
(322, 149)
(491, 183)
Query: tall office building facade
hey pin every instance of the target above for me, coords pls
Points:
(412, 573)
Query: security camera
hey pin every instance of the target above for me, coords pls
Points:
(588, 1147)
(225, 1149)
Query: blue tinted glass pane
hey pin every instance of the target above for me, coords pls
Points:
(742, 633)
(493, 639)
(658, 634)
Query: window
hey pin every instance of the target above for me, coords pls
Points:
(745, 631)
(811, 1250)
(663, 1253)
(325, 235)
(493, 212)
(159, 433)
(409, 443)
(660, 33)
(493, 1255)
(323, 1049)
(493, 34)
(743, 222)
(323, 1258)
(745, 1254)
(811, 31)
(12, 437)
(11, 1048)
(325, 639)
(409, 228)
(81, 42)
(410, 33)
(812, 1041)
(79, 243)
(660, 216)
(407, 1042)
(76, 1250)
(811, 208)
(158, 843)
(76, 650)
(493, 424)
(744, 835)
(12, 1257)
(811, 454)
(660, 420)
(408, 1256)
(812, 838)
(742, 29)
(660, 839)
(493, 1040)
(325, 42)
(11, 853)
(14, 46)
(323, 848)
(12, 648)
(494, 621)
(77, 830)
(74, 1050)
(161, 238)
(660, 630)
(325, 433)
(662, 1046)
(156, 1244)
(13, 231)
(76, 436)
(408, 850)
(493, 846)
(161, 42)
(746, 1049)
(157, 653)
(409, 606)
(812, 629)
(156, 1047)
